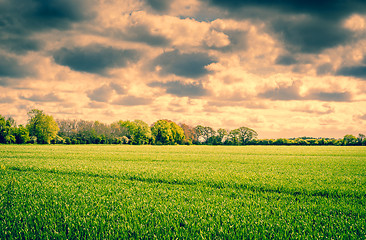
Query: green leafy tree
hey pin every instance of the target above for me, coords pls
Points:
(3, 129)
(127, 128)
(233, 138)
(42, 126)
(204, 134)
(167, 132)
(162, 132)
(21, 134)
(349, 140)
(242, 135)
(7, 130)
(246, 135)
(222, 135)
(137, 131)
(361, 139)
(142, 134)
(177, 132)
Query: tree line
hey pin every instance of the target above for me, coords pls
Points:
(44, 129)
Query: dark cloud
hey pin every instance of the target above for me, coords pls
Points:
(97, 105)
(310, 35)
(20, 20)
(105, 92)
(102, 94)
(51, 97)
(94, 58)
(132, 101)
(363, 117)
(141, 33)
(238, 41)
(247, 104)
(285, 60)
(282, 92)
(329, 96)
(318, 110)
(355, 71)
(159, 5)
(181, 89)
(117, 88)
(33, 15)
(303, 26)
(191, 65)
(10, 67)
(324, 69)
(6, 100)
(329, 9)
(19, 45)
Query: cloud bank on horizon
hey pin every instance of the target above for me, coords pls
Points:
(284, 68)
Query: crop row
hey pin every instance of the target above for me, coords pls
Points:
(52, 205)
(118, 192)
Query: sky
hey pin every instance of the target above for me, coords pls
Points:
(283, 68)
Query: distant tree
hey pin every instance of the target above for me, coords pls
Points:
(3, 129)
(42, 126)
(58, 140)
(204, 134)
(67, 128)
(322, 141)
(361, 139)
(162, 132)
(167, 132)
(7, 130)
(301, 141)
(142, 134)
(281, 141)
(126, 128)
(222, 134)
(233, 137)
(349, 140)
(137, 132)
(246, 135)
(21, 134)
(189, 133)
(313, 142)
(242, 136)
(177, 132)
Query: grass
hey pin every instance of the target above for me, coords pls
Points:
(165, 192)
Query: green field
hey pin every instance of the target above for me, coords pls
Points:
(164, 192)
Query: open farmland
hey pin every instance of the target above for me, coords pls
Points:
(114, 192)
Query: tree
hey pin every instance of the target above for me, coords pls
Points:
(167, 132)
(177, 132)
(242, 135)
(162, 132)
(246, 135)
(126, 128)
(361, 139)
(222, 135)
(42, 126)
(189, 133)
(3, 129)
(142, 134)
(7, 130)
(349, 140)
(137, 132)
(204, 133)
(233, 137)
(21, 134)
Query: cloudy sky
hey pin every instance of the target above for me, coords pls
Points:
(284, 68)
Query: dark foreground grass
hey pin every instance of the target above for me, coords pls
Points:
(119, 192)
